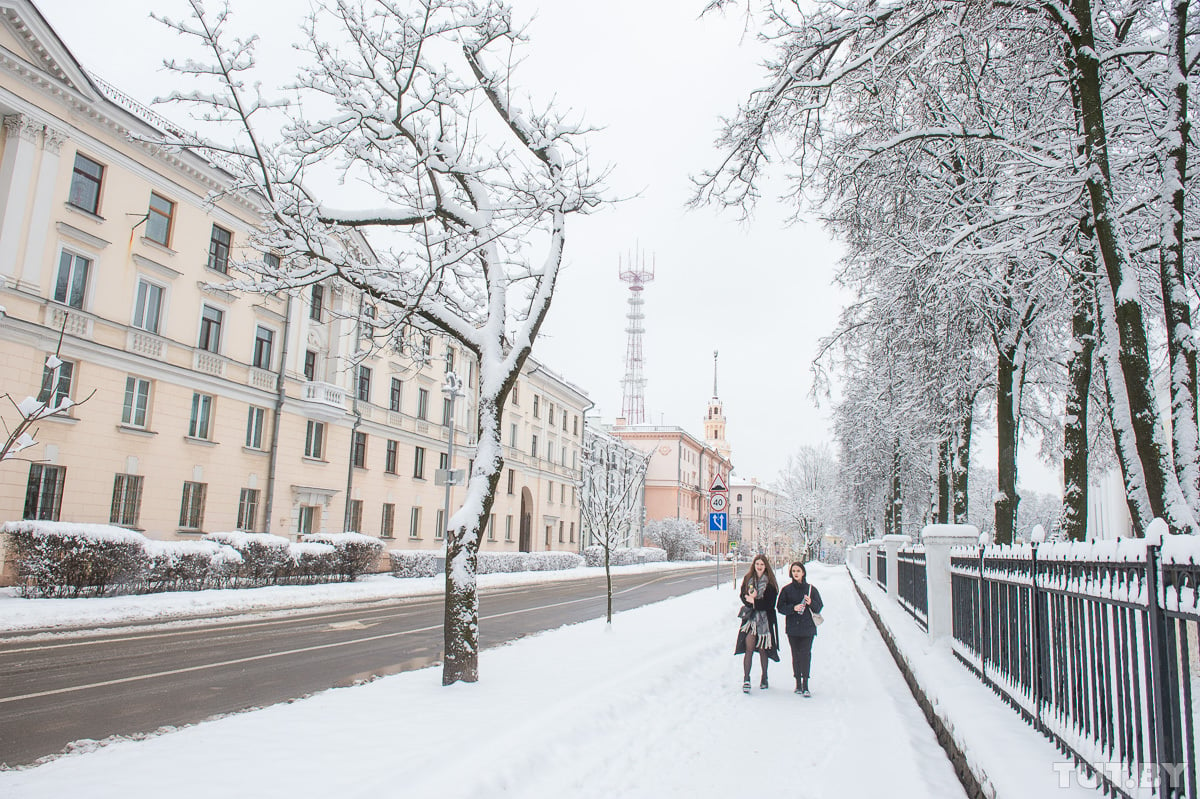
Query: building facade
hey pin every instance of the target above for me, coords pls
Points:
(199, 408)
(613, 490)
(754, 515)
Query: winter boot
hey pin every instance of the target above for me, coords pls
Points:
(804, 688)
(799, 686)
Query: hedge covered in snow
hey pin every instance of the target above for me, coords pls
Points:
(424, 562)
(624, 556)
(63, 559)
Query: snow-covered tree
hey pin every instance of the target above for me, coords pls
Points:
(808, 496)
(679, 537)
(21, 430)
(462, 189)
(611, 496)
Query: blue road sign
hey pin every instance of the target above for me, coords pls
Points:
(717, 522)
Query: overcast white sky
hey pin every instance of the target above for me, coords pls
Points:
(656, 79)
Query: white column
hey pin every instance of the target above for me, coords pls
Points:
(43, 197)
(938, 540)
(891, 544)
(16, 174)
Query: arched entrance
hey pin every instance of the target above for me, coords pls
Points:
(526, 544)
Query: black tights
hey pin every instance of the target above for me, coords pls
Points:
(748, 660)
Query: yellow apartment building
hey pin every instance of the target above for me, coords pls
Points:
(200, 408)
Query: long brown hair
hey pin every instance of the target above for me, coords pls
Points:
(768, 571)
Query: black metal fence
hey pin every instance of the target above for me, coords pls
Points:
(911, 584)
(881, 568)
(1096, 646)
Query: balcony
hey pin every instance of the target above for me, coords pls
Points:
(209, 363)
(147, 344)
(261, 378)
(325, 394)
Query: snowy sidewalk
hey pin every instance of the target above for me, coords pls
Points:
(651, 708)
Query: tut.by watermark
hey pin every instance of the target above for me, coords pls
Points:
(1118, 774)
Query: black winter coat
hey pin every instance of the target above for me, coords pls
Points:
(764, 601)
(793, 594)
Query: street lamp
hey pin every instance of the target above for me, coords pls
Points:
(452, 388)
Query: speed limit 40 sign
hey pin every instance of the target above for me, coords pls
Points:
(717, 502)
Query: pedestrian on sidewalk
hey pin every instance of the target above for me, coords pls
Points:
(798, 601)
(758, 630)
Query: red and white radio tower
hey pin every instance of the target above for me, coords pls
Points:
(637, 274)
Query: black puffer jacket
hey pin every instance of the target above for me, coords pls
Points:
(793, 594)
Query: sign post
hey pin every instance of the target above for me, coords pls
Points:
(718, 517)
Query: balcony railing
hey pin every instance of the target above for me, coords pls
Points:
(325, 394)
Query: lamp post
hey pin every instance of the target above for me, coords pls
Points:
(452, 388)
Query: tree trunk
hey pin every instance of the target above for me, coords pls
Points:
(461, 625)
(1006, 446)
(961, 464)
(897, 500)
(1181, 348)
(1153, 472)
(608, 577)
(944, 480)
(1075, 425)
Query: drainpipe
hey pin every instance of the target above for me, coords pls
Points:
(280, 396)
(354, 410)
(582, 488)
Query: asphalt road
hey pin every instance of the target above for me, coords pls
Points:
(137, 679)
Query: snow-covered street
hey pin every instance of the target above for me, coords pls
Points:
(652, 707)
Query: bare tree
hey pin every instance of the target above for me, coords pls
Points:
(464, 192)
(611, 496)
(679, 537)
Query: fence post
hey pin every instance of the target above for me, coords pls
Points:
(1163, 750)
(938, 540)
(891, 545)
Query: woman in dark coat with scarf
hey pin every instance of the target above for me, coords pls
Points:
(798, 601)
(758, 630)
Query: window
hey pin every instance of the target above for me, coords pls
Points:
(147, 308)
(271, 260)
(394, 395)
(561, 530)
(414, 523)
(310, 366)
(70, 286)
(443, 461)
(426, 346)
(536, 402)
(419, 462)
(199, 425)
(158, 220)
(354, 523)
(264, 342)
(316, 306)
(314, 440)
(389, 462)
(85, 184)
(306, 521)
(511, 479)
(43, 493)
(191, 509)
(247, 509)
(439, 525)
(256, 420)
(210, 328)
(533, 445)
(445, 411)
(126, 500)
(358, 450)
(572, 532)
(449, 359)
(364, 384)
(218, 249)
(388, 523)
(564, 421)
(422, 403)
(508, 528)
(492, 527)
(575, 426)
(550, 492)
(56, 383)
(512, 436)
(516, 394)
(137, 401)
(550, 415)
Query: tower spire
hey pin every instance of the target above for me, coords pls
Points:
(715, 374)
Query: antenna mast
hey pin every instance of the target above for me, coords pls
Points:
(635, 272)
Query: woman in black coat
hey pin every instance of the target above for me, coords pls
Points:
(798, 601)
(758, 629)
